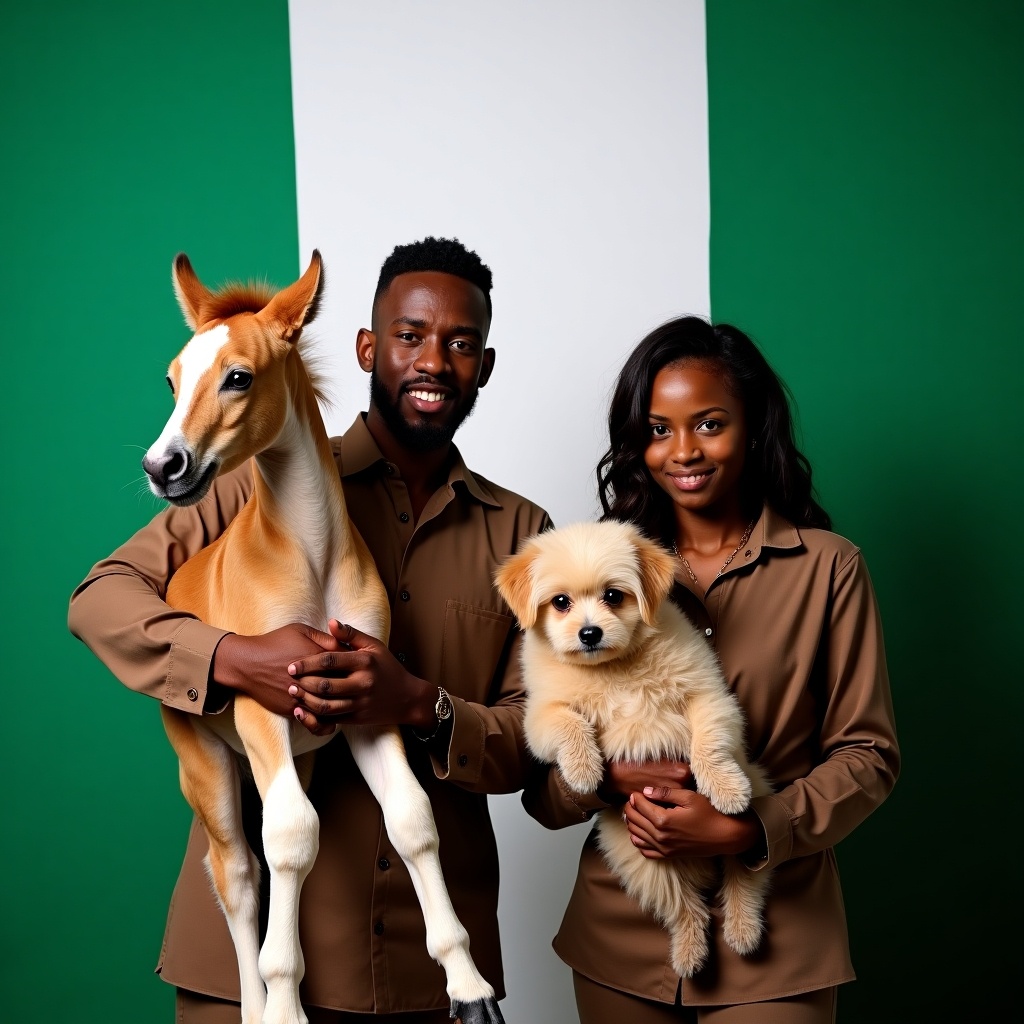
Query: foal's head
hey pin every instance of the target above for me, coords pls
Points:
(229, 382)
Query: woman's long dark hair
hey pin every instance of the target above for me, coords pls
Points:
(775, 472)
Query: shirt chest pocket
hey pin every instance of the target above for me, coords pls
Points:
(474, 644)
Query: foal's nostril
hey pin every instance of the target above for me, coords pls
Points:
(176, 465)
(590, 636)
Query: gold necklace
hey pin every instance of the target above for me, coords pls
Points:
(725, 565)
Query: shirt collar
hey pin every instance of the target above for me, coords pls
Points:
(359, 451)
(774, 531)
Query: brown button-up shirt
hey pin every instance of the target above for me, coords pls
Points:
(796, 626)
(361, 928)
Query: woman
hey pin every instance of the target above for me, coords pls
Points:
(702, 458)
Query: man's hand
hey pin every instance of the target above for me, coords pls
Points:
(666, 822)
(257, 666)
(362, 683)
(623, 778)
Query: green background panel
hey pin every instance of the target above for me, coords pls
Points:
(131, 131)
(866, 175)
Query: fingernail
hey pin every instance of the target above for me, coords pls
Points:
(648, 791)
(293, 690)
(298, 713)
(291, 670)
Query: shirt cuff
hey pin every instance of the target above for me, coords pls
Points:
(465, 753)
(588, 804)
(778, 830)
(188, 668)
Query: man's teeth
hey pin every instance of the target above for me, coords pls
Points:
(427, 396)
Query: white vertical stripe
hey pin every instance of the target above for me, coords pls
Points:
(565, 141)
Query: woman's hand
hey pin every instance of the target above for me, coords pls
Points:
(623, 778)
(669, 822)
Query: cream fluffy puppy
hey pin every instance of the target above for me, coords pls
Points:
(615, 671)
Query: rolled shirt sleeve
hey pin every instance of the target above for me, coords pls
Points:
(858, 735)
(120, 613)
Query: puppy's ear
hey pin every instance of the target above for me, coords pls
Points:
(657, 570)
(514, 580)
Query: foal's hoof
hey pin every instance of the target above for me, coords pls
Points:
(480, 1011)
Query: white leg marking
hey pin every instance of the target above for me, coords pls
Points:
(410, 825)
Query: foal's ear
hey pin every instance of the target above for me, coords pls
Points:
(191, 292)
(514, 580)
(657, 571)
(294, 307)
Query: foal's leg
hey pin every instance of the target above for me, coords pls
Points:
(209, 781)
(410, 825)
(291, 838)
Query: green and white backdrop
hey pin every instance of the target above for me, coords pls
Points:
(841, 180)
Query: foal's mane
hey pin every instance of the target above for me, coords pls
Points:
(250, 297)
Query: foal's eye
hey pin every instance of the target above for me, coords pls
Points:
(237, 380)
(613, 597)
(561, 602)
(170, 383)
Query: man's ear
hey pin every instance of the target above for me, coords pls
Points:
(657, 572)
(514, 580)
(487, 368)
(366, 346)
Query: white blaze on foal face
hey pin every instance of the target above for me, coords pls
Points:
(230, 403)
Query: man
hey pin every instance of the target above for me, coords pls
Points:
(436, 532)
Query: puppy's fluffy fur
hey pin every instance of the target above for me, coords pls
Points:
(646, 685)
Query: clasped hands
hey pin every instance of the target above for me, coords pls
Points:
(667, 817)
(324, 678)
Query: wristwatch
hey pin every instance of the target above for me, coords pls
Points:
(442, 709)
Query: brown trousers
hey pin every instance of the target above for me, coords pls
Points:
(598, 1004)
(193, 1008)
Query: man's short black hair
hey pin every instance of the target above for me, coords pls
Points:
(443, 255)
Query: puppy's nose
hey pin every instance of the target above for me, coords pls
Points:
(590, 636)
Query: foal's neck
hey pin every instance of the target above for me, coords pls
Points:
(297, 488)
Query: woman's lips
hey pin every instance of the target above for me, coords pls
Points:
(691, 481)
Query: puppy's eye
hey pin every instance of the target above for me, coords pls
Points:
(561, 602)
(613, 597)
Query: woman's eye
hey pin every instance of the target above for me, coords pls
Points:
(710, 426)
(238, 380)
(659, 430)
(561, 602)
(613, 597)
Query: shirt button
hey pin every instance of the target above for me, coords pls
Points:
(378, 928)
(193, 695)
(707, 632)
(747, 555)
(404, 595)
(390, 468)
(463, 760)
(405, 518)
(401, 658)
(383, 864)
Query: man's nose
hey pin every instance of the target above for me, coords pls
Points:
(432, 357)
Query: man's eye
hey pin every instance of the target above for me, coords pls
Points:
(406, 336)
(561, 602)
(237, 380)
(613, 597)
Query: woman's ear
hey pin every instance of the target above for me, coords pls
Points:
(514, 580)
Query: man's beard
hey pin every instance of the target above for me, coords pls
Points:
(420, 438)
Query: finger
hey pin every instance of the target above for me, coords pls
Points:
(336, 662)
(639, 823)
(313, 724)
(319, 637)
(666, 794)
(322, 707)
(352, 637)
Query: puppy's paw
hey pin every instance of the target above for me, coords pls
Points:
(742, 931)
(728, 789)
(581, 765)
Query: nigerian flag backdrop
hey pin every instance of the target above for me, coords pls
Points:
(857, 170)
